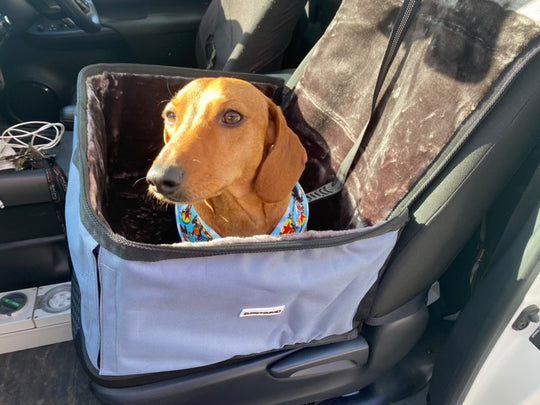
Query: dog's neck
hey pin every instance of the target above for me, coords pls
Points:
(230, 215)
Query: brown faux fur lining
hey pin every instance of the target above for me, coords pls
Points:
(452, 55)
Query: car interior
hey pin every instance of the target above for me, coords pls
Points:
(462, 215)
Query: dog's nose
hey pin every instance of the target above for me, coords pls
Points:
(166, 179)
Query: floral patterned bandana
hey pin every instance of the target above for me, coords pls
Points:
(192, 228)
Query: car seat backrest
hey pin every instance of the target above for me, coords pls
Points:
(439, 88)
(246, 35)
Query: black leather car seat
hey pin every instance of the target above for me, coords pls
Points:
(246, 35)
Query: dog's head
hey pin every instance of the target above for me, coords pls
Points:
(220, 135)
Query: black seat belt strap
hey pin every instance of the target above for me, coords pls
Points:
(403, 21)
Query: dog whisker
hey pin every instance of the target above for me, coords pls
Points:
(169, 89)
(138, 181)
(155, 199)
(209, 206)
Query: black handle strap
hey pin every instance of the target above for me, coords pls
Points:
(403, 21)
(57, 182)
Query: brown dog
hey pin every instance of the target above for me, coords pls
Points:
(230, 154)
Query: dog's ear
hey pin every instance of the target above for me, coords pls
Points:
(284, 161)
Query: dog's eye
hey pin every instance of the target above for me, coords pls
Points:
(170, 117)
(232, 117)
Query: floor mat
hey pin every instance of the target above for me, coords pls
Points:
(44, 376)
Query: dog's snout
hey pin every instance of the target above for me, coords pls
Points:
(166, 179)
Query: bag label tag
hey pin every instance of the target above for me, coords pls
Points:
(269, 311)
